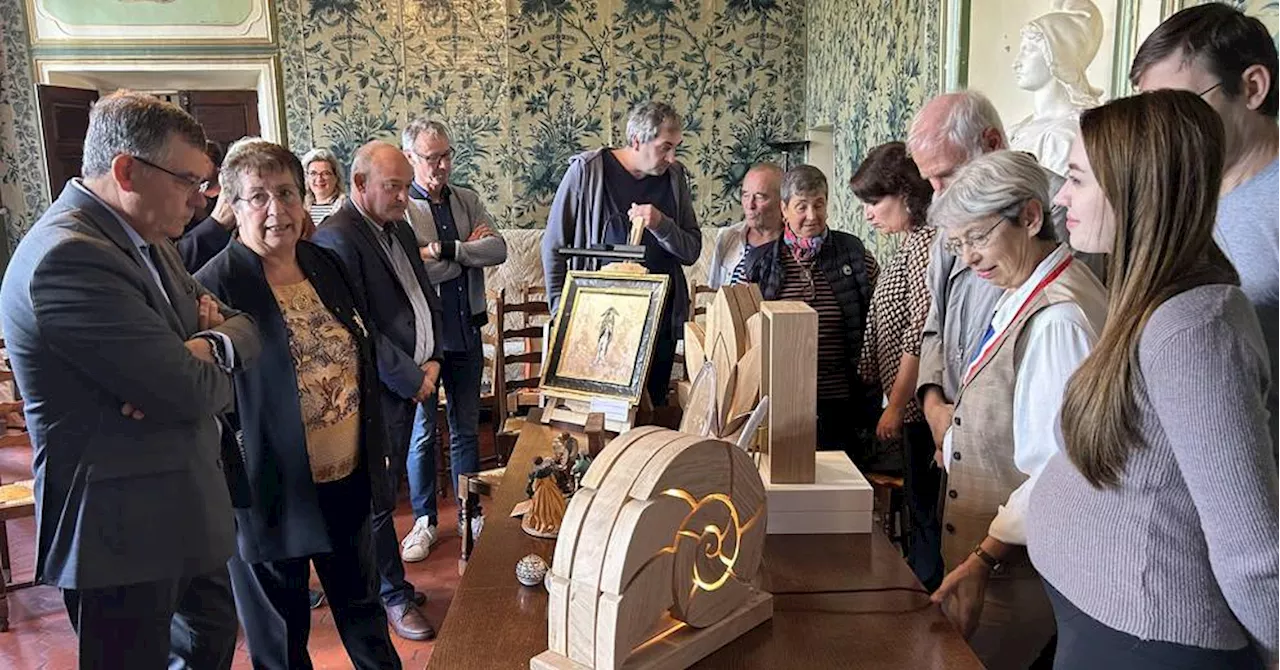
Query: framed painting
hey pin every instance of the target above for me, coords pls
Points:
(150, 22)
(603, 336)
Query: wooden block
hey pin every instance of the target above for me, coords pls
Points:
(790, 377)
(695, 337)
(687, 646)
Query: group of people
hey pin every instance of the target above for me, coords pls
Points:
(1077, 370)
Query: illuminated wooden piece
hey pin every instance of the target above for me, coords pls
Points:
(681, 522)
(790, 379)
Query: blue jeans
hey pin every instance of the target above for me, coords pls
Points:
(460, 374)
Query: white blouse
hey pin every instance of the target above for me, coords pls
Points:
(1056, 340)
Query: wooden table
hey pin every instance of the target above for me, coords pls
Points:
(494, 623)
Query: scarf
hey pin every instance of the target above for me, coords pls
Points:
(803, 249)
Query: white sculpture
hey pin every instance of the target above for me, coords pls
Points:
(1056, 49)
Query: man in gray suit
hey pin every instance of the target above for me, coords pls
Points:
(125, 361)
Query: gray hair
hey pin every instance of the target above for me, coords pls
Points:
(647, 119)
(969, 114)
(323, 154)
(803, 180)
(1000, 183)
(134, 124)
(254, 154)
(419, 126)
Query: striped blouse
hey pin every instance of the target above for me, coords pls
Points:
(806, 284)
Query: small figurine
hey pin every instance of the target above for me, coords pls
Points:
(565, 449)
(580, 470)
(541, 468)
(531, 570)
(545, 516)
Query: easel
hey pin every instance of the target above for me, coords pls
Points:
(575, 411)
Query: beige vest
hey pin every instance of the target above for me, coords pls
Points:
(982, 474)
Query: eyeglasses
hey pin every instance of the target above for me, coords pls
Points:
(1207, 90)
(192, 184)
(977, 241)
(445, 155)
(320, 174)
(260, 199)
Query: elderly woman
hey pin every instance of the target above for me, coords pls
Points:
(832, 272)
(1155, 528)
(895, 201)
(309, 422)
(995, 216)
(324, 184)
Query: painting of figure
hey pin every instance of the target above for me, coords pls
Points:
(602, 340)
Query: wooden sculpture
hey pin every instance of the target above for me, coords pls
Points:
(731, 343)
(657, 555)
(547, 512)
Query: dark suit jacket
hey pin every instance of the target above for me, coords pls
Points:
(284, 520)
(348, 234)
(118, 501)
(201, 242)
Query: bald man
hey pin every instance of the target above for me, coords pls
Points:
(762, 207)
(380, 252)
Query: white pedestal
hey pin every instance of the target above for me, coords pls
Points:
(838, 501)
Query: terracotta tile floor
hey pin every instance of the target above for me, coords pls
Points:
(40, 637)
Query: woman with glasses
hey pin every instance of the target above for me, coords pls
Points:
(835, 274)
(1155, 527)
(324, 184)
(995, 219)
(309, 423)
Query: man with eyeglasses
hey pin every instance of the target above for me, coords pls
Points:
(604, 191)
(1230, 60)
(210, 229)
(125, 363)
(456, 240)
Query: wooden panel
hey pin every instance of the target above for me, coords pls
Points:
(226, 115)
(64, 120)
(791, 381)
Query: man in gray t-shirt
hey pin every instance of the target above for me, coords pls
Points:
(1229, 60)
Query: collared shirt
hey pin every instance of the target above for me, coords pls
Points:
(731, 247)
(144, 250)
(457, 331)
(1055, 342)
(423, 337)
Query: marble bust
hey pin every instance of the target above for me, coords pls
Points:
(1055, 50)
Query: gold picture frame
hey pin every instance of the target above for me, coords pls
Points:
(603, 336)
(63, 23)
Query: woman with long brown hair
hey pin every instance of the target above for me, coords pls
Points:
(1156, 529)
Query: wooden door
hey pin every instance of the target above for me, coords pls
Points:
(64, 116)
(226, 115)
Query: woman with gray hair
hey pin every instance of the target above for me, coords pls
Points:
(995, 219)
(309, 423)
(324, 183)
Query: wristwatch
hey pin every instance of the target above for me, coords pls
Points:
(994, 564)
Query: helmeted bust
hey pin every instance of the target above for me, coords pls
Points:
(1055, 51)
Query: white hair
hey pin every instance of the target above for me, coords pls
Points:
(646, 121)
(970, 115)
(999, 183)
(420, 125)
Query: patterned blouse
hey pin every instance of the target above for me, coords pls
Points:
(326, 363)
(899, 307)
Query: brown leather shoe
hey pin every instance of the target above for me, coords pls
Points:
(409, 623)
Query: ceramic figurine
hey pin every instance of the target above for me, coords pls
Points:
(579, 470)
(531, 570)
(544, 517)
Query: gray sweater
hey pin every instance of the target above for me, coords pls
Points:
(1185, 550)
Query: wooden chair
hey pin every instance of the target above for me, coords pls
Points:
(17, 499)
(697, 307)
(888, 500)
(530, 311)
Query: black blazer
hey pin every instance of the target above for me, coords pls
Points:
(348, 234)
(200, 242)
(284, 520)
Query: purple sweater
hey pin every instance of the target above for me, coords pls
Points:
(1185, 550)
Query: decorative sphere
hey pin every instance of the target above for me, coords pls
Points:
(531, 570)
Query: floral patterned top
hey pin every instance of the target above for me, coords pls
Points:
(325, 361)
(899, 307)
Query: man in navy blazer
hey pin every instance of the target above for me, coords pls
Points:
(370, 235)
(125, 361)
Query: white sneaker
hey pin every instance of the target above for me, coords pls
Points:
(477, 525)
(417, 544)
